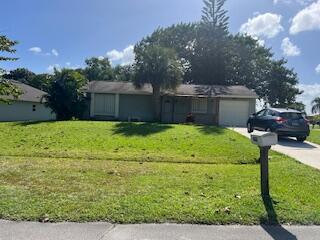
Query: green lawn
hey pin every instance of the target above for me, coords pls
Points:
(126, 141)
(314, 136)
(73, 171)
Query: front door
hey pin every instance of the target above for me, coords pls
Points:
(167, 110)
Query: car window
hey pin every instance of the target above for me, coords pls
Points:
(261, 113)
(268, 113)
(291, 115)
(272, 113)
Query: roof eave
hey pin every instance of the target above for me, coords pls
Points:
(239, 96)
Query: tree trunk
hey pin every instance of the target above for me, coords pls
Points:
(156, 103)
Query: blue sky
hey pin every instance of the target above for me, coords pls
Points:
(64, 32)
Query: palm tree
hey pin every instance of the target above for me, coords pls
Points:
(316, 105)
(159, 67)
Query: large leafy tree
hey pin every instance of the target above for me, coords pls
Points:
(300, 106)
(181, 38)
(203, 48)
(159, 67)
(98, 69)
(65, 96)
(280, 89)
(316, 105)
(40, 81)
(253, 65)
(123, 73)
(20, 74)
(249, 64)
(6, 88)
(211, 55)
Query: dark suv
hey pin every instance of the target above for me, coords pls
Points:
(284, 122)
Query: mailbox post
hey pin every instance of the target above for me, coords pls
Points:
(264, 170)
(264, 140)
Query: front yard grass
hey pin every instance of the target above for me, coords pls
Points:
(314, 136)
(126, 141)
(216, 186)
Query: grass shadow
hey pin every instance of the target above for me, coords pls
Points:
(30, 123)
(273, 227)
(139, 129)
(207, 129)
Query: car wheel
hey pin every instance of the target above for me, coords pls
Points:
(301, 139)
(249, 128)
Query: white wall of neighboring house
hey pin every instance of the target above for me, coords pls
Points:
(25, 111)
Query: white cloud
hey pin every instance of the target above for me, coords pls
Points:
(307, 19)
(289, 49)
(51, 68)
(35, 50)
(318, 69)
(124, 57)
(261, 42)
(55, 52)
(69, 66)
(38, 50)
(311, 91)
(266, 25)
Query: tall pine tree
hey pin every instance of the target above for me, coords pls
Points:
(212, 45)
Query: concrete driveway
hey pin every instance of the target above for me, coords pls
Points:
(306, 153)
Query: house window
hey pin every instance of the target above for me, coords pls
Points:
(199, 105)
(104, 104)
(34, 108)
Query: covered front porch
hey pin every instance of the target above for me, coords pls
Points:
(176, 108)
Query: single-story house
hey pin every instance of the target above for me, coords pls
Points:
(214, 105)
(29, 106)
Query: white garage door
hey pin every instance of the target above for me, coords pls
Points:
(233, 113)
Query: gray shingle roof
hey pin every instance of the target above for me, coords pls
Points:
(182, 90)
(29, 94)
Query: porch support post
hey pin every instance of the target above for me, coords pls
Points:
(117, 105)
(217, 110)
(92, 105)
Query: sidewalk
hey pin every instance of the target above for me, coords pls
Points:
(105, 231)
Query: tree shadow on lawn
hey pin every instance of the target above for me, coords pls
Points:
(274, 228)
(139, 129)
(207, 129)
(30, 123)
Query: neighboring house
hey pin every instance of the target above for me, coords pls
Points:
(29, 106)
(216, 105)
